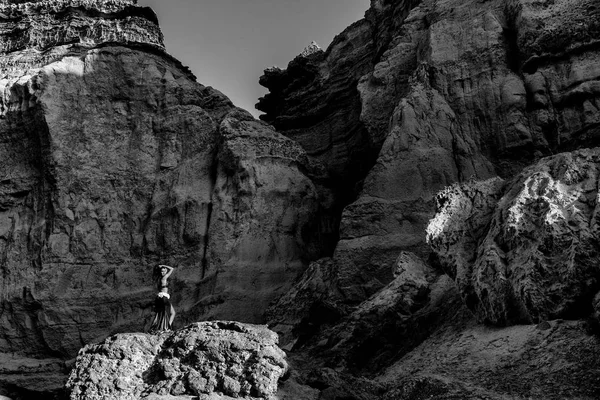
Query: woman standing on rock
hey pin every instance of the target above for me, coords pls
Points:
(163, 309)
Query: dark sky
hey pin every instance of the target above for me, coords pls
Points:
(228, 43)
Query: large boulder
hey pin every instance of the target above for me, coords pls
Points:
(218, 358)
(526, 251)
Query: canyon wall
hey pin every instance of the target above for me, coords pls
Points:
(113, 160)
(444, 92)
(471, 99)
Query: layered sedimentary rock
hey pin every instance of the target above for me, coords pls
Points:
(224, 359)
(41, 25)
(113, 159)
(527, 251)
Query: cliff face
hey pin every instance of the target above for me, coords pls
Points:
(451, 91)
(482, 93)
(113, 159)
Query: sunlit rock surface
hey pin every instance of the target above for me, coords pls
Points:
(221, 359)
(526, 252)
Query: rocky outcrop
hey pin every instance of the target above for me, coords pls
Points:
(520, 252)
(114, 159)
(317, 102)
(454, 91)
(325, 122)
(220, 358)
(530, 255)
(316, 325)
(44, 24)
(263, 216)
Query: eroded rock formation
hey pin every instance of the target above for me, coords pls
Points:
(114, 159)
(233, 359)
(453, 91)
(527, 252)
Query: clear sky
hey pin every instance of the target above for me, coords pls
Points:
(228, 43)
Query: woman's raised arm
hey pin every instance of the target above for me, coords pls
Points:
(170, 270)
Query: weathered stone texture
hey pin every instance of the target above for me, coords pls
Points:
(108, 170)
(455, 91)
(209, 358)
(527, 252)
(460, 91)
(262, 222)
(113, 159)
(45, 24)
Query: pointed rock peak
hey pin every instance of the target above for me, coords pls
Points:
(311, 49)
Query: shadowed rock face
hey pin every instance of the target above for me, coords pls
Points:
(453, 90)
(415, 339)
(112, 160)
(460, 91)
(318, 101)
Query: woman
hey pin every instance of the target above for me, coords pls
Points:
(164, 311)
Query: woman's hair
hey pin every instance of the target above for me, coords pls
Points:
(156, 276)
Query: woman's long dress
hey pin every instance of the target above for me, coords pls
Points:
(162, 309)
